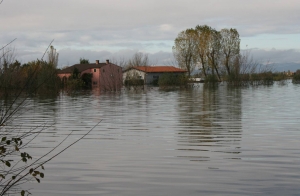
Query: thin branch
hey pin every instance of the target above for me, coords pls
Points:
(47, 49)
(9, 42)
(4, 53)
(7, 186)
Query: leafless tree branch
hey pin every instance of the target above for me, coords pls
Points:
(47, 49)
(9, 42)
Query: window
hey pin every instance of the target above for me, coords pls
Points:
(95, 70)
(103, 70)
(94, 83)
(140, 77)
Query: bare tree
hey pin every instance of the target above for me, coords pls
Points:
(230, 46)
(245, 64)
(120, 62)
(7, 57)
(213, 51)
(138, 59)
(201, 39)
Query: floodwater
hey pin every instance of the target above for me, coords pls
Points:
(202, 141)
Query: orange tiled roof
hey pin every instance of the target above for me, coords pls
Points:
(159, 69)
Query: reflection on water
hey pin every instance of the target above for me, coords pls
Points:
(202, 141)
(211, 121)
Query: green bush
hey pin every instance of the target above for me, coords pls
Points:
(279, 76)
(238, 80)
(267, 78)
(263, 78)
(172, 79)
(74, 84)
(211, 78)
(134, 82)
(296, 77)
(87, 80)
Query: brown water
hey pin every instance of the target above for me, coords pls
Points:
(203, 141)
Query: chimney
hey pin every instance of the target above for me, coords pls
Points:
(107, 61)
(97, 62)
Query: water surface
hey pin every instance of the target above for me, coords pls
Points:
(202, 141)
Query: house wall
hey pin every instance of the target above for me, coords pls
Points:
(151, 77)
(61, 76)
(147, 77)
(133, 74)
(110, 78)
(95, 76)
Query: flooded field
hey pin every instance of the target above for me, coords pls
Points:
(201, 141)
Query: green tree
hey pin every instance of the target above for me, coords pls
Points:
(296, 77)
(75, 82)
(39, 77)
(87, 80)
(84, 61)
(75, 73)
(52, 57)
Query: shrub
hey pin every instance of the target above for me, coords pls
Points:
(172, 79)
(87, 80)
(134, 82)
(296, 77)
(279, 76)
(75, 84)
(33, 77)
(211, 78)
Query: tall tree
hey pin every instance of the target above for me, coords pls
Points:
(213, 52)
(201, 38)
(230, 46)
(52, 57)
(184, 50)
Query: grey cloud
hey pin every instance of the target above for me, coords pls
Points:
(69, 57)
(118, 15)
(276, 56)
(126, 26)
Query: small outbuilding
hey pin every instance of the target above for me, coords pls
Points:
(150, 74)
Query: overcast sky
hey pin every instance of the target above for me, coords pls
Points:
(102, 29)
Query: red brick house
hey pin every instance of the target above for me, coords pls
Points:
(106, 76)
